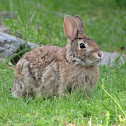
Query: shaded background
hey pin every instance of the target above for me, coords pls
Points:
(41, 21)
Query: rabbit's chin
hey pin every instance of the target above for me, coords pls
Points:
(85, 62)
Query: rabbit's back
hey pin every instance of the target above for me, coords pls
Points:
(37, 71)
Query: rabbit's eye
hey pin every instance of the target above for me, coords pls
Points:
(82, 45)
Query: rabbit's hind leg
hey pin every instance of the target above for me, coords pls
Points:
(18, 87)
(23, 82)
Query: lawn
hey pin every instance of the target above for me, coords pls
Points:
(41, 22)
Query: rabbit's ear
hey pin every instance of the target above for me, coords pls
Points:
(70, 27)
(80, 26)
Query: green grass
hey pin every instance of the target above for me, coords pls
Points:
(42, 23)
(106, 105)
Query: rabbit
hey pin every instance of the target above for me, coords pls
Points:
(52, 70)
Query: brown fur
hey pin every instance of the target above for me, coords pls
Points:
(50, 70)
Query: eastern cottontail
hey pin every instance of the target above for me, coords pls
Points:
(51, 70)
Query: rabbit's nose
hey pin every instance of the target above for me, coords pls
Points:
(100, 54)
